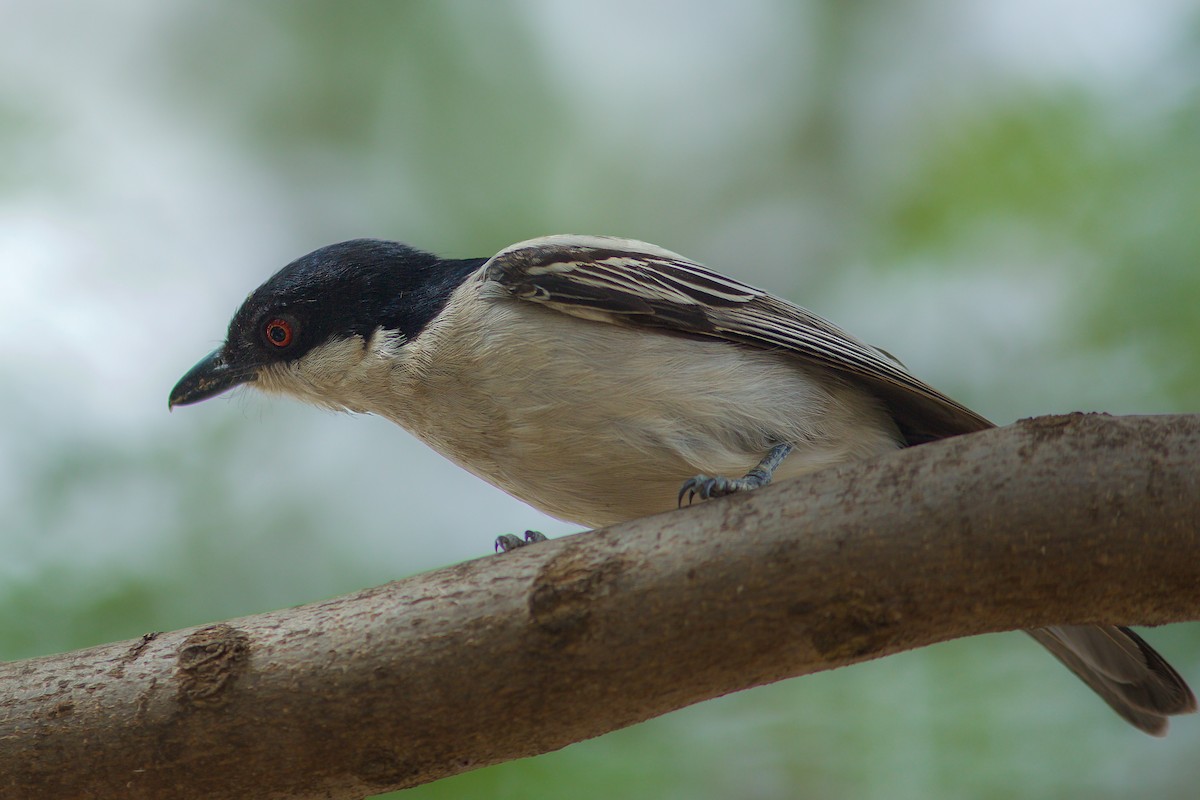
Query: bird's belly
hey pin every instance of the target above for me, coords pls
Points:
(596, 424)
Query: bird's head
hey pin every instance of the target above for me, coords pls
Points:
(317, 319)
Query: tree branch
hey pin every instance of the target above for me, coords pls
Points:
(1073, 519)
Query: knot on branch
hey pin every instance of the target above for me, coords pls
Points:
(209, 661)
(563, 591)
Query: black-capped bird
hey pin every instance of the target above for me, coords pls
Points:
(602, 379)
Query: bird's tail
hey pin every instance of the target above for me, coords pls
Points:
(1120, 667)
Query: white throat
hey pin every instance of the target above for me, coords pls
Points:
(347, 374)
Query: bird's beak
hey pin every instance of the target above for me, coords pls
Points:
(209, 378)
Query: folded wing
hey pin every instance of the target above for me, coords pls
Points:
(630, 283)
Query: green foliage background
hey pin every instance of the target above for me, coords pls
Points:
(1007, 196)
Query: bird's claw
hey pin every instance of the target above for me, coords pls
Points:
(508, 541)
(707, 487)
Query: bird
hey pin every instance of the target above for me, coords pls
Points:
(602, 379)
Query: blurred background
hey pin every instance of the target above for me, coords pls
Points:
(1005, 195)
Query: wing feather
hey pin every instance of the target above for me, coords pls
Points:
(636, 284)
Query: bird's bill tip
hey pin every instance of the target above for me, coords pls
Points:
(209, 378)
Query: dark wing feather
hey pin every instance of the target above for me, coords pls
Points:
(631, 283)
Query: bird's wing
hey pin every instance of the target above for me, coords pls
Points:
(631, 283)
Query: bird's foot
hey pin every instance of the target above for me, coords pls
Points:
(707, 487)
(508, 541)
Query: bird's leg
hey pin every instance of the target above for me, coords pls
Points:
(707, 486)
(508, 541)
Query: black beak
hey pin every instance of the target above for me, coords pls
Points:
(209, 378)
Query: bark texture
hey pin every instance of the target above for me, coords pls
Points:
(1074, 519)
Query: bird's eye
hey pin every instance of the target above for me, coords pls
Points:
(280, 332)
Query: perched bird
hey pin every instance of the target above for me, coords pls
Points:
(602, 379)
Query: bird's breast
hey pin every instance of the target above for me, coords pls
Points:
(596, 423)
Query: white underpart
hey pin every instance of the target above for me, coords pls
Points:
(588, 421)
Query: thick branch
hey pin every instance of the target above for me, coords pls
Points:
(1055, 520)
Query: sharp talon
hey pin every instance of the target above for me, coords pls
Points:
(709, 487)
(507, 542)
(692, 488)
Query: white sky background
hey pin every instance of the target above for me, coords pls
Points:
(130, 228)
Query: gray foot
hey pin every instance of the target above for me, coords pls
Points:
(508, 541)
(707, 487)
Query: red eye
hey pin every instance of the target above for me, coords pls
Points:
(279, 332)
